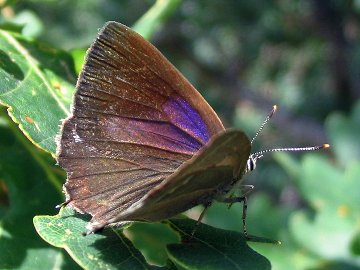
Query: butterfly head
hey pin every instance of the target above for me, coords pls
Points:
(251, 162)
(253, 158)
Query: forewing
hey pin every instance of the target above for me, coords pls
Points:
(209, 174)
(135, 120)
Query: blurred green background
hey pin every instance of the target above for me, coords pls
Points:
(243, 56)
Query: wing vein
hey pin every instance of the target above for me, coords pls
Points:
(138, 144)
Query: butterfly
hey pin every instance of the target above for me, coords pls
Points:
(141, 144)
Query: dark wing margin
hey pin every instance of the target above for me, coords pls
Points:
(135, 120)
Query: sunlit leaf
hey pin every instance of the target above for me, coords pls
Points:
(28, 179)
(37, 86)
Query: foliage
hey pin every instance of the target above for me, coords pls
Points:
(210, 247)
(246, 54)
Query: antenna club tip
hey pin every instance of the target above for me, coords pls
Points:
(274, 109)
(326, 145)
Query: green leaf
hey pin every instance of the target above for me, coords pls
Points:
(28, 179)
(151, 239)
(335, 197)
(288, 255)
(355, 244)
(335, 265)
(266, 218)
(37, 86)
(344, 135)
(79, 57)
(155, 16)
(320, 182)
(212, 248)
(109, 249)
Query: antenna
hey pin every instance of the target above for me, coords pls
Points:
(251, 163)
(264, 123)
(292, 149)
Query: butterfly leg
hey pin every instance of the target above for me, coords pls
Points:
(245, 190)
(242, 199)
(206, 207)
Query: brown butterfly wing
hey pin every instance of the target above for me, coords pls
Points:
(209, 174)
(135, 120)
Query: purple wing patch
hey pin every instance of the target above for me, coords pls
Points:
(186, 118)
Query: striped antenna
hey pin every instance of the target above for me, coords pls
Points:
(251, 163)
(292, 149)
(264, 123)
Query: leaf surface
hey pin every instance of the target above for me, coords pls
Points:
(37, 83)
(213, 248)
(28, 178)
(109, 249)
